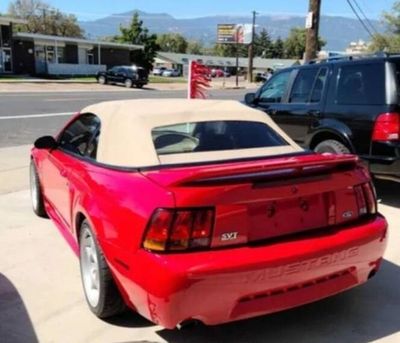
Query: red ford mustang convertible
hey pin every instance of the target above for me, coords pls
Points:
(203, 210)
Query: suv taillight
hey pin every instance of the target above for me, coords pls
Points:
(387, 127)
(179, 229)
(366, 198)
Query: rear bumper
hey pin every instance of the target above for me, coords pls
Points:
(386, 168)
(230, 284)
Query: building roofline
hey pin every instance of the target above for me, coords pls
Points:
(8, 20)
(36, 36)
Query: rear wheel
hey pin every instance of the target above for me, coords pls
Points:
(128, 83)
(101, 292)
(36, 192)
(332, 146)
(102, 80)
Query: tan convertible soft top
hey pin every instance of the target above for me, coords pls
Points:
(126, 126)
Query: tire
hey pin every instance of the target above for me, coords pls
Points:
(36, 192)
(139, 85)
(102, 80)
(332, 146)
(101, 292)
(128, 83)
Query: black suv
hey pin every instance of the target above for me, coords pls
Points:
(127, 75)
(340, 105)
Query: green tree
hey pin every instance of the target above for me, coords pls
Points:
(172, 42)
(195, 47)
(229, 50)
(390, 40)
(44, 19)
(136, 33)
(263, 45)
(295, 44)
(278, 49)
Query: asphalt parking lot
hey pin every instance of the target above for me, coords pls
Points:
(41, 298)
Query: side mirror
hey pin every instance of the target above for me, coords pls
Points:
(250, 98)
(45, 142)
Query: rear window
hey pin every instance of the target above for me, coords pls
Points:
(214, 136)
(361, 84)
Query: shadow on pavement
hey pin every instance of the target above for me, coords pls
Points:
(129, 319)
(364, 314)
(15, 324)
(388, 192)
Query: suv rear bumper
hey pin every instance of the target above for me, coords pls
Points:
(231, 284)
(385, 168)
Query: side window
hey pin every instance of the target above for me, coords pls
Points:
(303, 85)
(360, 84)
(81, 136)
(275, 88)
(319, 84)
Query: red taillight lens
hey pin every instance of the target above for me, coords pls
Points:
(366, 198)
(172, 230)
(180, 231)
(361, 202)
(370, 196)
(158, 230)
(387, 127)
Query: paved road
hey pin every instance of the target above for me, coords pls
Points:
(21, 119)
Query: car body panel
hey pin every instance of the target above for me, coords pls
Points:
(296, 262)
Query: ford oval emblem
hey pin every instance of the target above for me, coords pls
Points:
(347, 214)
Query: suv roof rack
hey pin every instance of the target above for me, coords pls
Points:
(380, 54)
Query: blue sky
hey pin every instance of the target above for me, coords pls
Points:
(92, 9)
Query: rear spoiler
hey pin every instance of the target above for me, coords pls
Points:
(270, 169)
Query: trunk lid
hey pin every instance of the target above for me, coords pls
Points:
(262, 199)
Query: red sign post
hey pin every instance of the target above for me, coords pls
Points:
(198, 80)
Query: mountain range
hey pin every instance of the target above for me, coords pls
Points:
(337, 31)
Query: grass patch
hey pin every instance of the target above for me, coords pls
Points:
(164, 79)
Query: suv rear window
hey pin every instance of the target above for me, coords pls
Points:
(361, 84)
(214, 136)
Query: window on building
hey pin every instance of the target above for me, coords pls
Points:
(61, 54)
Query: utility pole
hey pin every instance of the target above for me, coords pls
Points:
(251, 49)
(312, 25)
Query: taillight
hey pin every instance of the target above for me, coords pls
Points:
(366, 199)
(370, 196)
(387, 127)
(179, 229)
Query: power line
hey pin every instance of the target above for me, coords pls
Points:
(365, 17)
(359, 19)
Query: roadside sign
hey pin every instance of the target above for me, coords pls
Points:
(234, 33)
(309, 20)
(226, 33)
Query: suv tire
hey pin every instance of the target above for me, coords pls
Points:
(102, 80)
(332, 146)
(128, 83)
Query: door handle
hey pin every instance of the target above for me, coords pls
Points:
(314, 113)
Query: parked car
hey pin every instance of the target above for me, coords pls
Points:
(204, 210)
(171, 73)
(219, 73)
(159, 71)
(340, 105)
(127, 75)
